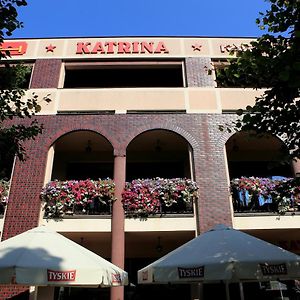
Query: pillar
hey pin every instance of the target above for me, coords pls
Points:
(117, 223)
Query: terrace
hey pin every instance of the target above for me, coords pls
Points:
(141, 198)
(258, 194)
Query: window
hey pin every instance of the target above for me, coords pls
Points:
(125, 74)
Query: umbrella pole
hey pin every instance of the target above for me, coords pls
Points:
(281, 294)
(241, 291)
(227, 290)
(33, 290)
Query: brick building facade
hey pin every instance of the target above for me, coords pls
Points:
(166, 114)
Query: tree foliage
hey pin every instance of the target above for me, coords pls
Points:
(14, 104)
(9, 14)
(272, 63)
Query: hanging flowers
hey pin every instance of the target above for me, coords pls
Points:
(4, 187)
(77, 197)
(276, 194)
(144, 197)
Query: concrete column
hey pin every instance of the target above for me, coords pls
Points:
(296, 167)
(117, 224)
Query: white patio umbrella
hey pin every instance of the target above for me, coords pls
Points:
(223, 254)
(43, 257)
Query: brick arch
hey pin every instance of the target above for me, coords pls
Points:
(169, 127)
(62, 132)
(226, 136)
(261, 145)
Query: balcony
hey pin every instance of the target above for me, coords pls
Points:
(78, 197)
(141, 198)
(265, 195)
(147, 197)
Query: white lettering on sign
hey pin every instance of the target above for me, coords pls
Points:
(196, 272)
(234, 48)
(61, 275)
(279, 269)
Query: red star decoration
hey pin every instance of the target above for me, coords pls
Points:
(50, 48)
(196, 47)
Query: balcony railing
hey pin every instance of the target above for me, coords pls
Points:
(140, 198)
(276, 194)
(144, 197)
(78, 197)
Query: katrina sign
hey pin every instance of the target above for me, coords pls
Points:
(124, 47)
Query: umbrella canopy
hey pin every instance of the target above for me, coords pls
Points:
(223, 254)
(41, 256)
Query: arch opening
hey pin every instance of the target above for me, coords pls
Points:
(82, 155)
(264, 156)
(158, 153)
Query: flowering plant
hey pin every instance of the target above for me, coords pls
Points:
(256, 193)
(4, 187)
(287, 195)
(143, 197)
(77, 196)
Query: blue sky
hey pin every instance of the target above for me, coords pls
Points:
(73, 18)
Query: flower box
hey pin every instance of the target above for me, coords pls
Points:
(144, 197)
(77, 197)
(276, 194)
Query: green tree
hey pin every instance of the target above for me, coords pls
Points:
(271, 62)
(13, 101)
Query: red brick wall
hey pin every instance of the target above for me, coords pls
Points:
(200, 130)
(45, 73)
(197, 72)
(12, 291)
